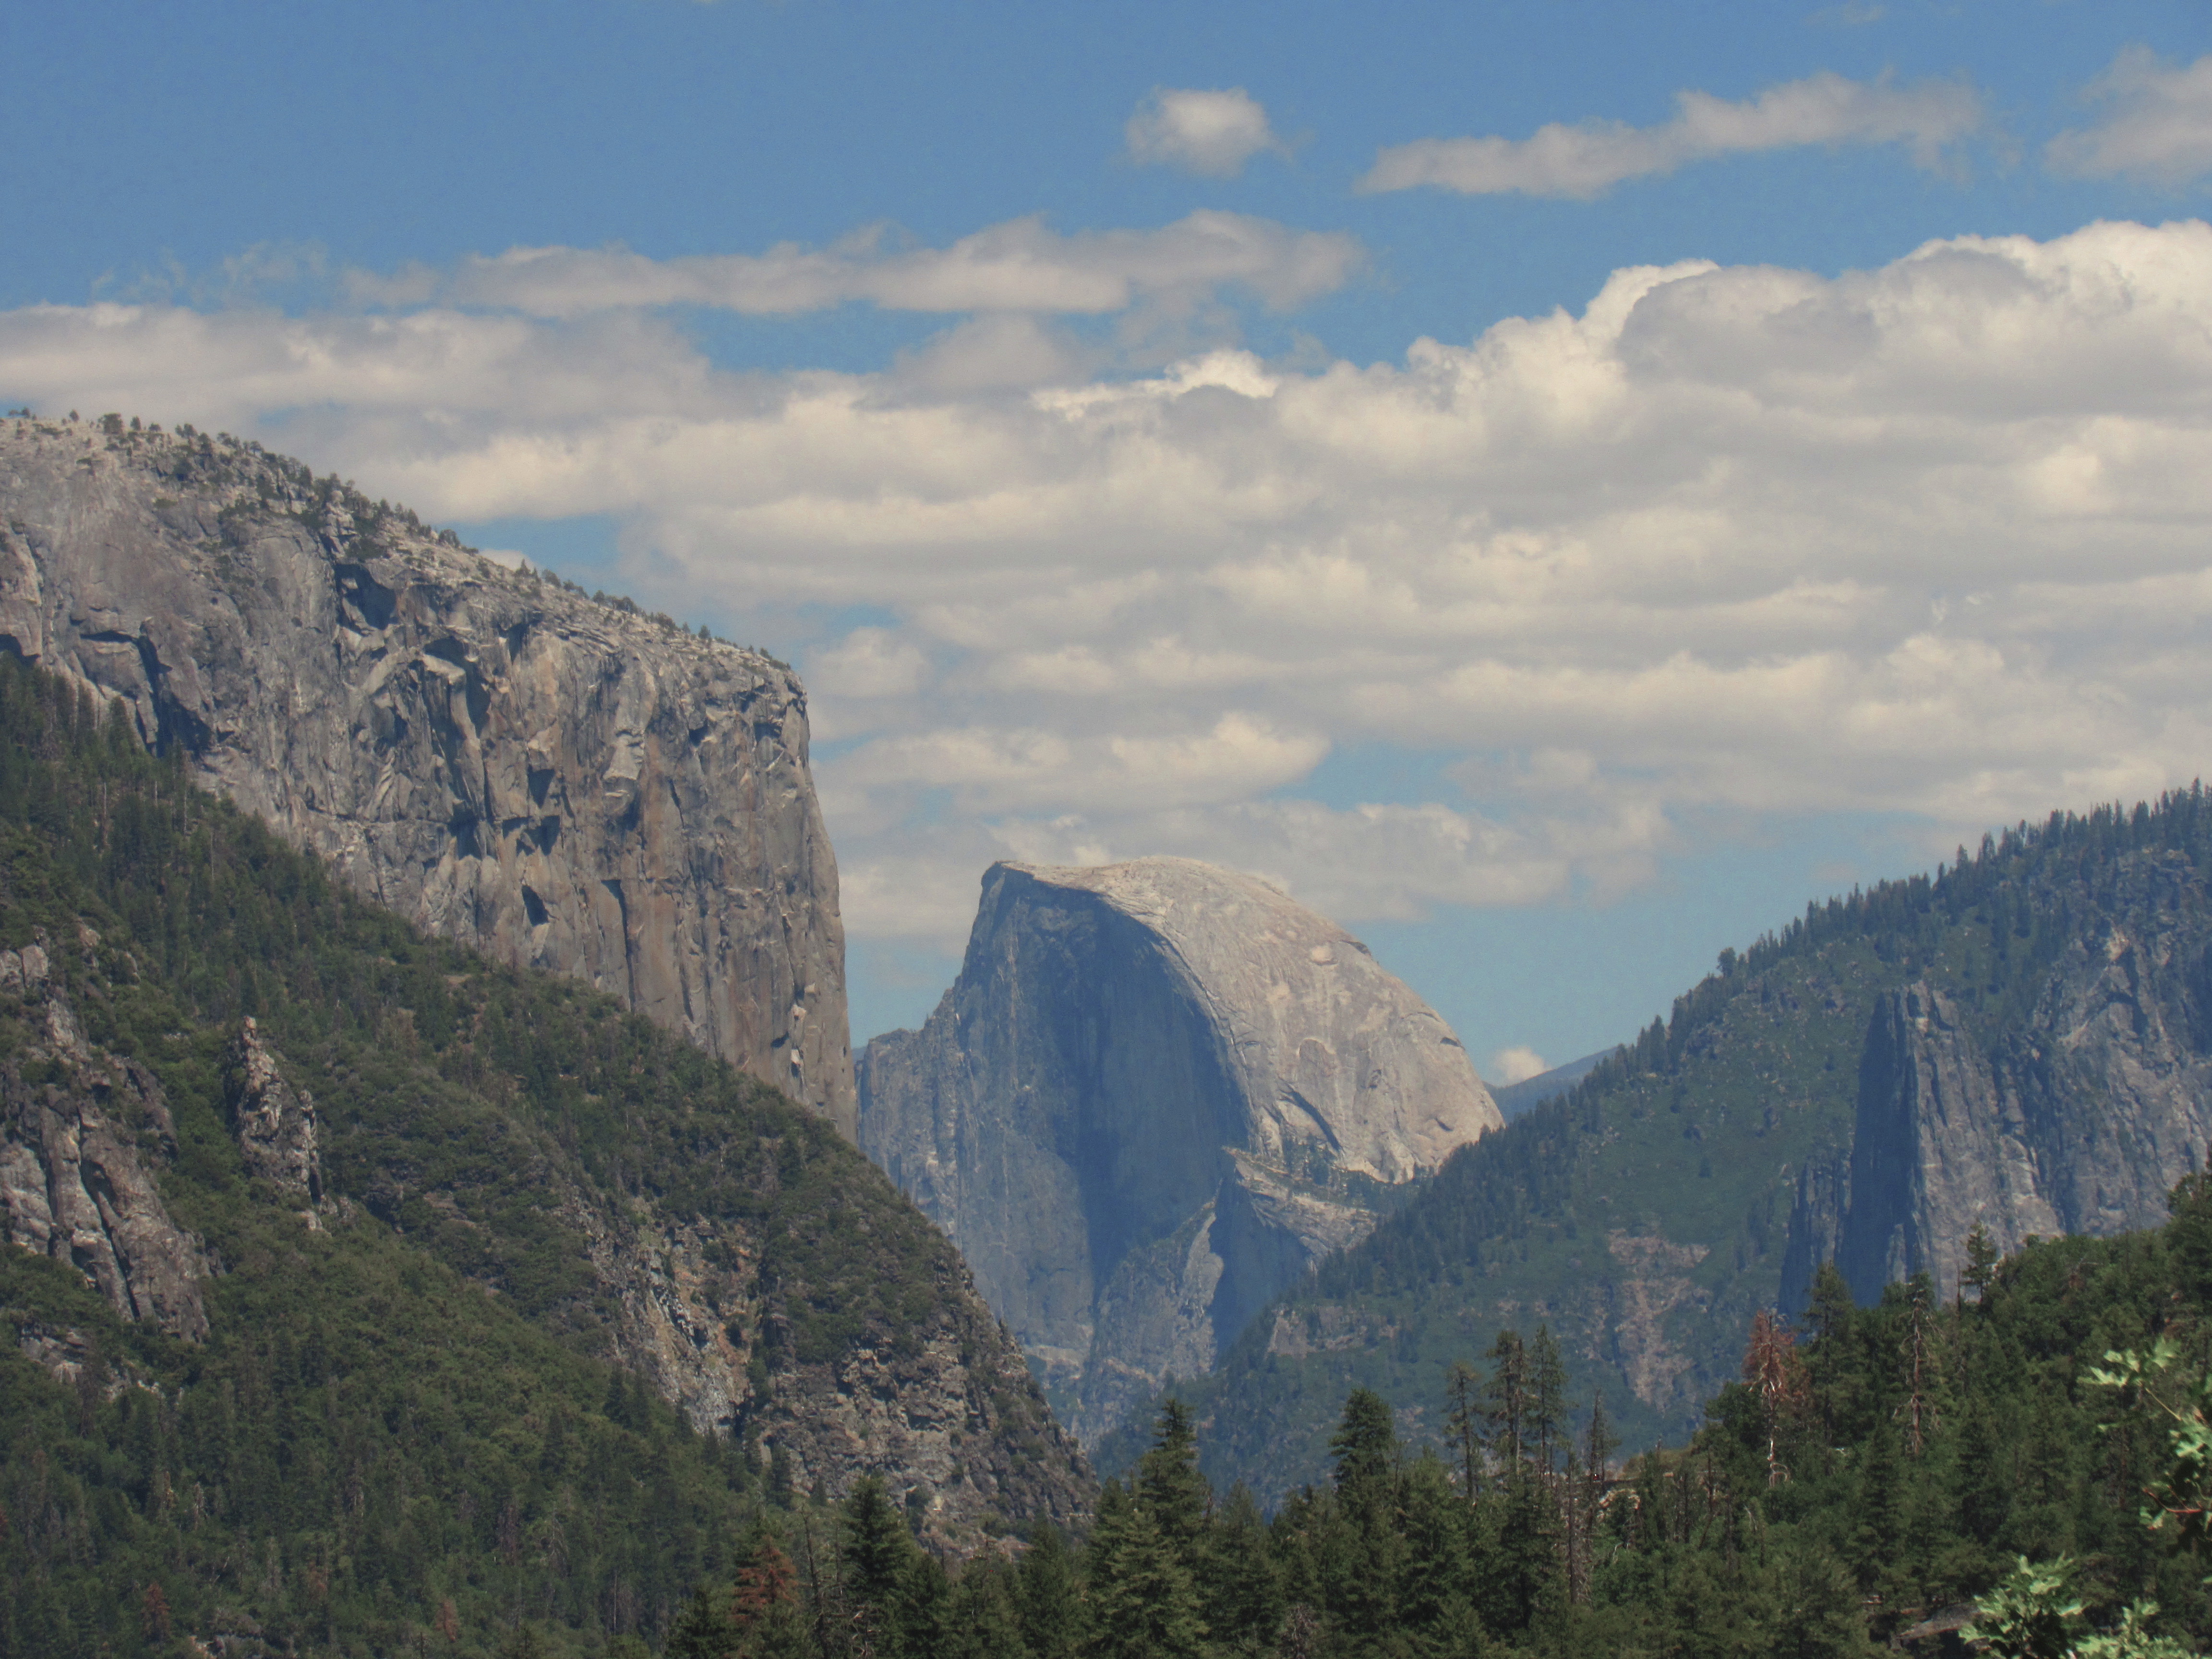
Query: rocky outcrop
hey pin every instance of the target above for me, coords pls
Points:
(1157, 1092)
(2078, 1119)
(947, 1414)
(275, 1123)
(81, 1131)
(563, 782)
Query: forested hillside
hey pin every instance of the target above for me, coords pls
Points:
(1648, 1215)
(1871, 1485)
(420, 1406)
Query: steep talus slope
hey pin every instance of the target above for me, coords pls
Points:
(2020, 1043)
(1157, 1093)
(562, 783)
(204, 1035)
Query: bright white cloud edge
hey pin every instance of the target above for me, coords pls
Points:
(1928, 540)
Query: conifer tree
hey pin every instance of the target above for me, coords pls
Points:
(1548, 1398)
(1046, 1596)
(1241, 1583)
(700, 1631)
(879, 1556)
(1463, 1423)
(1507, 1401)
(1168, 1482)
(1143, 1603)
(1364, 1447)
(984, 1624)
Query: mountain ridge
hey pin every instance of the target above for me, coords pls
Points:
(751, 1282)
(1155, 1093)
(1648, 1213)
(566, 781)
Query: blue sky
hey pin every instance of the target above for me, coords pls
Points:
(1558, 486)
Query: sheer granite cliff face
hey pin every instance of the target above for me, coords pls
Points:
(1156, 1093)
(561, 782)
(2079, 1120)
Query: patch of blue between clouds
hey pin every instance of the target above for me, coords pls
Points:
(1579, 972)
(1579, 975)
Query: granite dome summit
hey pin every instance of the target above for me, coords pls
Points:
(1156, 1093)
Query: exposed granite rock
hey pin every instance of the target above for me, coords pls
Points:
(2078, 1120)
(80, 1132)
(275, 1123)
(562, 783)
(1157, 1092)
(950, 1413)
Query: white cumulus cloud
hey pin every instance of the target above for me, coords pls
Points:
(2158, 123)
(1517, 1065)
(1932, 538)
(1210, 132)
(1590, 159)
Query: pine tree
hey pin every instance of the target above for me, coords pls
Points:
(700, 1631)
(1045, 1596)
(1463, 1424)
(1980, 1272)
(1242, 1584)
(1143, 1603)
(1835, 1368)
(1168, 1482)
(765, 1613)
(1507, 1398)
(983, 1623)
(1364, 1447)
(1548, 1398)
(1778, 1378)
(877, 1554)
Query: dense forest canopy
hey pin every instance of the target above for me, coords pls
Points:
(1875, 1480)
(403, 1429)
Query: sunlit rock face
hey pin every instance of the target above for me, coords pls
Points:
(561, 782)
(1157, 1092)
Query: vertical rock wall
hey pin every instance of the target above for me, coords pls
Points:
(562, 783)
(2078, 1119)
(1156, 1094)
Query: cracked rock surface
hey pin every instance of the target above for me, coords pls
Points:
(561, 782)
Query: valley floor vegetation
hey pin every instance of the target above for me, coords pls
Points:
(2026, 1467)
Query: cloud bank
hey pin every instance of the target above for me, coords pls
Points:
(1930, 539)
(1588, 159)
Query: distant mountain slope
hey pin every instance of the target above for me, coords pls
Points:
(2020, 1042)
(562, 781)
(1157, 1092)
(1516, 1099)
(470, 1227)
